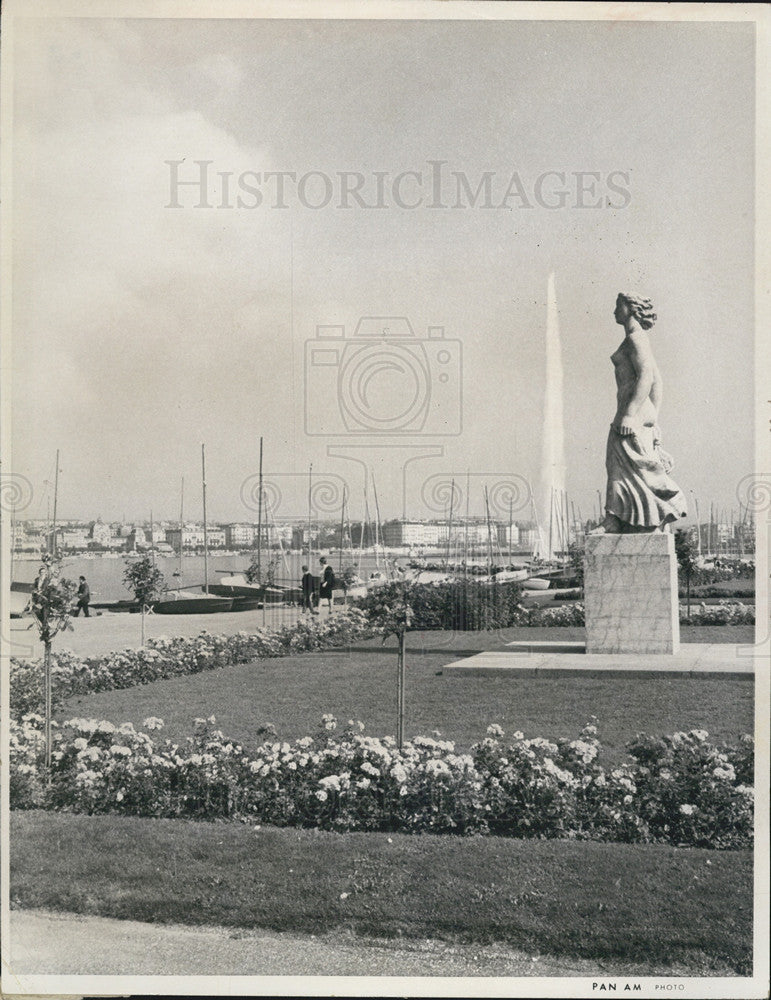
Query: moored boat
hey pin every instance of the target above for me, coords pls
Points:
(184, 602)
(21, 594)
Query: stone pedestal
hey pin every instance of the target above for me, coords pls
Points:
(630, 594)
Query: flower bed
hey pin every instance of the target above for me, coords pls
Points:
(162, 657)
(680, 790)
(724, 613)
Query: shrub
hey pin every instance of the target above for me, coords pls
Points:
(724, 613)
(459, 606)
(173, 657)
(680, 790)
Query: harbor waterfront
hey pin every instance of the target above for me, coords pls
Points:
(105, 573)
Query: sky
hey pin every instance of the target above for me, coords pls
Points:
(142, 331)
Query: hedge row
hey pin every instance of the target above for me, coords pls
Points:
(682, 790)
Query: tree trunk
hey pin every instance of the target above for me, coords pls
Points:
(400, 691)
(48, 706)
(143, 622)
(688, 595)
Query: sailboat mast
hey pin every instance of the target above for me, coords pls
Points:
(551, 523)
(342, 532)
(378, 531)
(364, 526)
(205, 526)
(310, 522)
(56, 498)
(449, 523)
(259, 522)
(511, 525)
(489, 536)
(465, 526)
(181, 523)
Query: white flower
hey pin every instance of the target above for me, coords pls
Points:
(687, 810)
(321, 796)
(332, 781)
(80, 743)
(726, 773)
(153, 723)
(399, 774)
(494, 731)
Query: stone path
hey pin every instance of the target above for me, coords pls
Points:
(109, 631)
(554, 658)
(42, 943)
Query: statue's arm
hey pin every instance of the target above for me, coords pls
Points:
(643, 365)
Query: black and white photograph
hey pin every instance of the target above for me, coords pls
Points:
(385, 498)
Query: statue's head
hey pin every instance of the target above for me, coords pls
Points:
(634, 305)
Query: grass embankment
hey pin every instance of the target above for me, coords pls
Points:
(294, 692)
(615, 902)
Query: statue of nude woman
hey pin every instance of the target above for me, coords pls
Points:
(640, 495)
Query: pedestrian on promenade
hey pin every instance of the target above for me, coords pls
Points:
(307, 591)
(84, 598)
(327, 582)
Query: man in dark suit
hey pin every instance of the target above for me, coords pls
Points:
(307, 591)
(84, 598)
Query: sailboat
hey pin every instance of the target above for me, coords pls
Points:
(248, 595)
(188, 602)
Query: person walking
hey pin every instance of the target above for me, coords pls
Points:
(327, 582)
(84, 598)
(307, 591)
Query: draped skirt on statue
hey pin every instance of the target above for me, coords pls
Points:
(640, 492)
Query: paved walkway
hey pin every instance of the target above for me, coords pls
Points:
(109, 631)
(554, 658)
(43, 943)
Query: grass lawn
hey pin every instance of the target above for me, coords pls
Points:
(653, 904)
(294, 692)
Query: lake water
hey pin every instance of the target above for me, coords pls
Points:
(105, 576)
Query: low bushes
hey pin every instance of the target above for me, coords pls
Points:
(466, 606)
(724, 613)
(163, 657)
(681, 790)
(459, 606)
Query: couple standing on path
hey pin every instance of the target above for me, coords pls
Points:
(326, 586)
